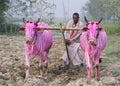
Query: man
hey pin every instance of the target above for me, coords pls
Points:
(72, 40)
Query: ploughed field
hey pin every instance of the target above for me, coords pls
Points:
(12, 68)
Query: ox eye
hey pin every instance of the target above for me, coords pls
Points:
(97, 28)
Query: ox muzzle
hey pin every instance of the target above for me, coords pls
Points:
(92, 41)
(29, 40)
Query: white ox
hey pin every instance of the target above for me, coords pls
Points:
(93, 40)
(37, 42)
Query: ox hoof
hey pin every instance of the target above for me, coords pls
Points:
(92, 74)
(27, 75)
(100, 60)
(46, 65)
(82, 65)
(26, 78)
(41, 73)
(98, 79)
(89, 82)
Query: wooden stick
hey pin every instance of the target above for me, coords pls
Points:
(65, 44)
(58, 28)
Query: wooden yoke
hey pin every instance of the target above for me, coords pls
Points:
(59, 28)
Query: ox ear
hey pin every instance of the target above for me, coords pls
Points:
(39, 29)
(84, 28)
(100, 28)
(21, 29)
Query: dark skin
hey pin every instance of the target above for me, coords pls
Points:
(75, 19)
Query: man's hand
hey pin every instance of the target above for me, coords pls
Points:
(68, 42)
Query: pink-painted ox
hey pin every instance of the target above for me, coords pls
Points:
(37, 43)
(92, 40)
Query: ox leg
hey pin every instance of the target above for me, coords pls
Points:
(27, 65)
(88, 74)
(92, 66)
(46, 62)
(46, 59)
(41, 63)
(97, 73)
(97, 66)
(88, 67)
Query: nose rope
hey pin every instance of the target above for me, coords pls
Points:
(35, 36)
(97, 35)
(32, 39)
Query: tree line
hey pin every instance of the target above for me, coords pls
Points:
(108, 9)
(12, 12)
(31, 9)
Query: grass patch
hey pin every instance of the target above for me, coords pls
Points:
(113, 46)
(111, 28)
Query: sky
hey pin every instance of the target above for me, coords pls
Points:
(67, 7)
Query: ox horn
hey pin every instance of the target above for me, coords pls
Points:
(24, 20)
(100, 20)
(85, 19)
(38, 20)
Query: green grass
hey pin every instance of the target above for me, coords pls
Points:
(113, 43)
(111, 28)
(113, 46)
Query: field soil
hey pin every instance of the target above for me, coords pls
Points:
(12, 67)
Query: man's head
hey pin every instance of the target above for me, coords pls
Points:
(75, 18)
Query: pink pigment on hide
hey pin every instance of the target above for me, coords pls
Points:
(93, 40)
(37, 42)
